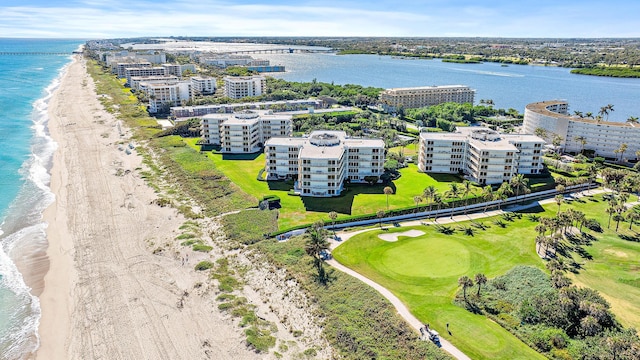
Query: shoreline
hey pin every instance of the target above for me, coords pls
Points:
(105, 291)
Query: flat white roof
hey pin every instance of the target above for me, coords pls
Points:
(434, 87)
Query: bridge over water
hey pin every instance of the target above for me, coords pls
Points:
(278, 51)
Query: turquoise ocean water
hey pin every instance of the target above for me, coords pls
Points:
(26, 84)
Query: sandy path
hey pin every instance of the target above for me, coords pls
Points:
(106, 295)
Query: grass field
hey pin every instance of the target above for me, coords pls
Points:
(423, 273)
(242, 170)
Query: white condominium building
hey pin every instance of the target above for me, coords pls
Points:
(178, 69)
(603, 137)
(482, 155)
(237, 87)
(416, 97)
(136, 80)
(120, 68)
(163, 95)
(203, 85)
(143, 71)
(243, 132)
(323, 161)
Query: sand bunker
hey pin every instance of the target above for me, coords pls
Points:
(394, 236)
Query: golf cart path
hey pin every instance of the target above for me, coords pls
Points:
(395, 301)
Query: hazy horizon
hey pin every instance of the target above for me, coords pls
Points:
(97, 19)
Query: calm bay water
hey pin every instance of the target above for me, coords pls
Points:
(26, 83)
(513, 86)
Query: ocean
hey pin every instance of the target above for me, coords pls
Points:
(27, 81)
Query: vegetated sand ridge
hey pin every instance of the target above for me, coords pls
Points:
(109, 292)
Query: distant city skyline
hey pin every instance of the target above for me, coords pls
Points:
(94, 19)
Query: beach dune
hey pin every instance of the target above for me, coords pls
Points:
(106, 295)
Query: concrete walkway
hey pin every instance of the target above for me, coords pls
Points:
(397, 303)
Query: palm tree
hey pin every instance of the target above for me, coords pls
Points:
(589, 115)
(540, 132)
(387, 191)
(417, 199)
(333, 216)
(488, 195)
(633, 120)
(315, 245)
(579, 114)
(622, 149)
(542, 240)
(437, 199)
(429, 194)
(604, 110)
(610, 107)
(481, 279)
(610, 210)
(541, 229)
(465, 282)
(466, 189)
(380, 215)
(632, 216)
(453, 193)
(519, 183)
(582, 140)
(559, 200)
(556, 140)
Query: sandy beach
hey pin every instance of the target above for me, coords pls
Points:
(105, 294)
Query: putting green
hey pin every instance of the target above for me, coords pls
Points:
(426, 257)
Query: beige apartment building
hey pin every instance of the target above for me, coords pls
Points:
(237, 87)
(417, 97)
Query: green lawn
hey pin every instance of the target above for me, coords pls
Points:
(423, 272)
(359, 199)
(615, 268)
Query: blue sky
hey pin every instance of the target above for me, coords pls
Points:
(494, 18)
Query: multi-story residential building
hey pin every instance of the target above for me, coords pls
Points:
(123, 56)
(482, 155)
(416, 97)
(283, 105)
(224, 61)
(323, 161)
(243, 132)
(178, 69)
(237, 87)
(163, 95)
(136, 80)
(203, 85)
(577, 134)
(120, 68)
(143, 71)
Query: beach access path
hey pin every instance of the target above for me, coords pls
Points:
(106, 294)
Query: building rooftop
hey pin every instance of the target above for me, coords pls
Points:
(435, 87)
(325, 143)
(541, 108)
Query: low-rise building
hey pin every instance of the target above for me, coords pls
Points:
(237, 87)
(243, 132)
(282, 105)
(136, 80)
(416, 97)
(119, 68)
(482, 155)
(178, 69)
(604, 138)
(322, 162)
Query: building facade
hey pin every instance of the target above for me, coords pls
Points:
(143, 71)
(603, 137)
(237, 87)
(203, 85)
(323, 161)
(416, 97)
(163, 95)
(282, 105)
(480, 154)
(136, 80)
(243, 132)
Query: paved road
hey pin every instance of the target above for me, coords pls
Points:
(397, 303)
